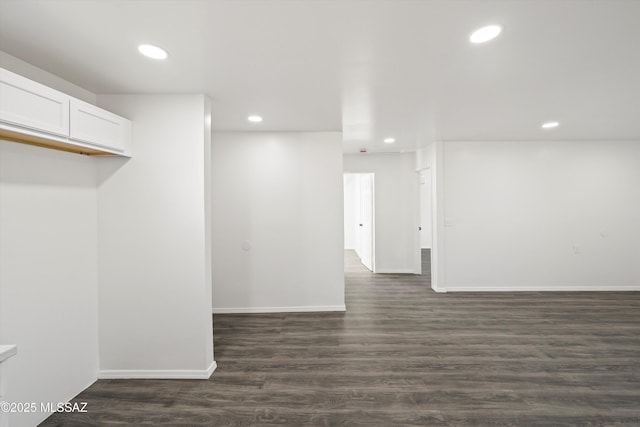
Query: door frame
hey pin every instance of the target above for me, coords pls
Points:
(424, 173)
(357, 193)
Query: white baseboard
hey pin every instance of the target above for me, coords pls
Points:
(541, 288)
(289, 309)
(159, 374)
(438, 289)
(395, 271)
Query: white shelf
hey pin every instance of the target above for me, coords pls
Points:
(31, 113)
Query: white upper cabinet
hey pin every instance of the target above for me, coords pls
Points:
(93, 125)
(31, 105)
(31, 113)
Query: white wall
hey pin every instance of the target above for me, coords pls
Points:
(282, 194)
(48, 275)
(349, 212)
(154, 297)
(48, 265)
(425, 209)
(542, 215)
(432, 158)
(208, 223)
(29, 71)
(397, 204)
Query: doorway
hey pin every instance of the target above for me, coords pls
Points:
(426, 223)
(359, 230)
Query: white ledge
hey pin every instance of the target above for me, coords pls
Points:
(6, 351)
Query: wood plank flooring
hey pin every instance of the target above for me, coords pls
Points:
(403, 356)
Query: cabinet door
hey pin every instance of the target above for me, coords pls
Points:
(31, 105)
(93, 125)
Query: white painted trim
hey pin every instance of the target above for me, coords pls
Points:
(159, 374)
(437, 218)
(439, 241)
(417, 269)
(438, 289)
(396, 271)
(291, 309)
(540, 288)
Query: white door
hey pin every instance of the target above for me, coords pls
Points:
(364, 205)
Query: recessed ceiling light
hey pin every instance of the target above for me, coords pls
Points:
(254, 119)
(485, 34)
(152, 51)
(389, 140)
(550, 125)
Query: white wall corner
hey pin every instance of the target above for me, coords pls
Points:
(438, 216)
(438, 289)
(164, 248)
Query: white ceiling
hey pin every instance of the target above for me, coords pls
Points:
(371, 69)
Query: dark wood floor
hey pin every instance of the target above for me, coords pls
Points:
(403, 355)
